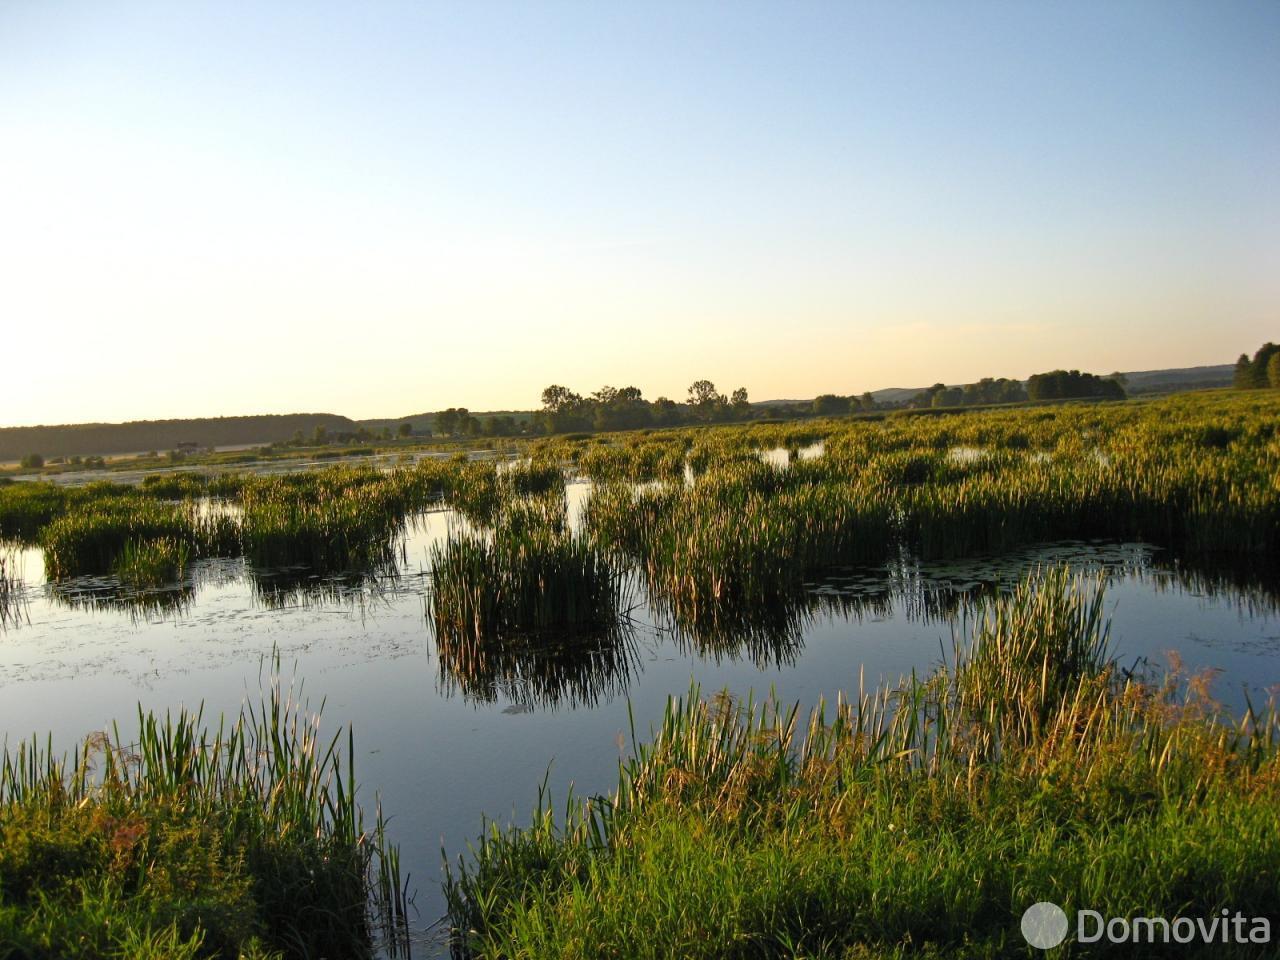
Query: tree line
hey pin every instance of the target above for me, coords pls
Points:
(625, 408)
(1262, 371)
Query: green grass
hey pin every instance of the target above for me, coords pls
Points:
(94, 538)
(184, 841)
(526, 575)
(152, 563)
(918, 819)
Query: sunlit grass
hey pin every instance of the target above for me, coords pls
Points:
(917, 818)
(182, 841)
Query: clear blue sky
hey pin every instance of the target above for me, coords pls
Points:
(377, 209)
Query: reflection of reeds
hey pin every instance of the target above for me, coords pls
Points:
(299, 587)
(13, 600)
(140, 603)
(769, 635)
(575, 668)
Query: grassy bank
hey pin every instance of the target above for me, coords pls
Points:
(184, 841)
(919, 819)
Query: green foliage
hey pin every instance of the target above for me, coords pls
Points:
(92, 537)
(241, 842)
(920, 819)
(529, 574)
(1070, 384)
(1251, 374)
(152, 563)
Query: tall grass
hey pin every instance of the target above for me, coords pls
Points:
(520, 578)
(152, 563)
(92, 539)
(921, 817)
(739, 540)
(191, 841)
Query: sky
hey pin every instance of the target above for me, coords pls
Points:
(379, 209)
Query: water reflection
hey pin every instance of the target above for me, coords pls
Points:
(540, 670)
(301, 587)
(109, 595)
(768, 636)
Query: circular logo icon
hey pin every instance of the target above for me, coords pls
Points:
(1044, 925)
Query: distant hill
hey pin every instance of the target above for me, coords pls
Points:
(426, 422)
(1184, 378)
(102, 439)
(1136, 382)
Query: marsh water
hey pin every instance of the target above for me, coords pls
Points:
(446, 740)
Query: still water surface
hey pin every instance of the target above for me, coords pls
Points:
(445, 748)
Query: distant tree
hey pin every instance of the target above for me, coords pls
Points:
(405, 429)
(298, 438)
(1255, 372)
(1273, 370)
(666, 412)
(829, 404)
(992, 390)
(321, 435)
(947, 397)
(1243, 376)
(605, 395)
(33, 461)
(447, 422)
(503, 426)
(1070, 384)
(741, 405)
(556, 398)
(705, 403)
(1261, 365)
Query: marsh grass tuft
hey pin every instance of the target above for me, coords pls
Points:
(152, 563)
(244, 840)
(526, 575)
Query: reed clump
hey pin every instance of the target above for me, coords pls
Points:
(524, 576)
(929, 813)
(92, 539)
(740, 538)
(185, 841)
(152, 563)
